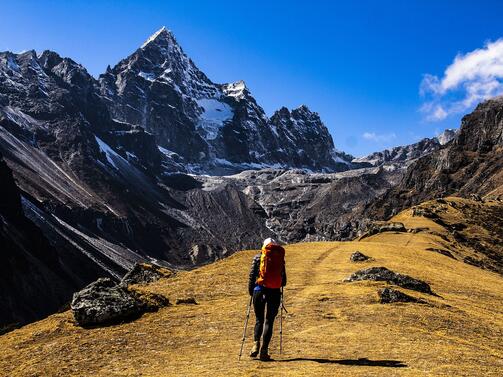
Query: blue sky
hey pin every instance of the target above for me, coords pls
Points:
(360, 65)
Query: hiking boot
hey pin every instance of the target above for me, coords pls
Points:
(255, 349)
(264, 356)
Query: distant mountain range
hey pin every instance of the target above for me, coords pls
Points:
(154, 162)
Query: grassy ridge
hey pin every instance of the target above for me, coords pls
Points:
(333, 328)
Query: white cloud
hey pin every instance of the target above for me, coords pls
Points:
(379, 138)
(470, 79)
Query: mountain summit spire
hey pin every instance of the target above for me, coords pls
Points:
(162, 33)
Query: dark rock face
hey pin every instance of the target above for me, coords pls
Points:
(358, 256)
(104, 302)
(303, 139)
(34, 280)
(383, 274)
(142, 273)
(390, 295)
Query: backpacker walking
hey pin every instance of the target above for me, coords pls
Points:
(267, 276)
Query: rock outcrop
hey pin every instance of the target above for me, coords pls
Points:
(143, 273)
(358, 256)
(402, 155)
(391, 295)
(384, 274)
(381, 227)
(104, 302)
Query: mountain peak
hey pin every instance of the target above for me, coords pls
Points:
(159, 35)
(303, 109)
(446, 136)
(235, 89)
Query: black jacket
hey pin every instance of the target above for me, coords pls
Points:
(252, 280)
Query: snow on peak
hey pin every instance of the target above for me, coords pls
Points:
(446, 136)
(235, 89)
(162, 32)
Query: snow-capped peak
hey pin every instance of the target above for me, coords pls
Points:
(235, 89)
(161, 33)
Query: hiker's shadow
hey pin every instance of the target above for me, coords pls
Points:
(357, 362)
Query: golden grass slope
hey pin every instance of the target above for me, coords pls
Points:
(332, 328)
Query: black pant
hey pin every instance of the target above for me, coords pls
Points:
(268, 301)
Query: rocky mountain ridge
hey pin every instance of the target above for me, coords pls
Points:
(408, 153)
(472, 163)
(213, 128)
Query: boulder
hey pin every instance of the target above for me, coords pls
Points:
(383, 274)
(390, 295)
(143, 273)
(357, 256)
(103, 302)
(380, 227)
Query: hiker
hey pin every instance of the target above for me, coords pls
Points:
(267, 276)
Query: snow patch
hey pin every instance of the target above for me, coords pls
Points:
(112, 156)
(147, 76)
(215, 114)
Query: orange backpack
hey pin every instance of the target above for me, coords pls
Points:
(272, 262)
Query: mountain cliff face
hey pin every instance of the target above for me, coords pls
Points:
(214, 128)
(472, 163)
(36, 278)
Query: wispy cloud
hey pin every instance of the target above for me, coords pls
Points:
(469, 79)
(379, 138)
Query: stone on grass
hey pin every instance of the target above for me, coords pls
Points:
(391, 295)
(143, 273)
(381, 227)
(383, 274)
(358, 256)
(104, 302)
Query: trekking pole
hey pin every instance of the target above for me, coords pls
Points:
(281, 325)
(246, 324)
